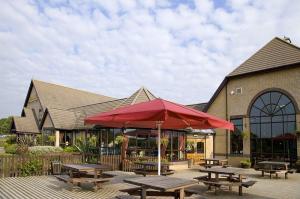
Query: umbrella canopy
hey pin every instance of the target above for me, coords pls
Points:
(160, 114)
(147, 114)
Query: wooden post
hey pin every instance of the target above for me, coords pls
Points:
(143, 193)
(57, 138)
(124, 147)
(181, 193)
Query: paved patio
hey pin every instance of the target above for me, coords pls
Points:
(45, 187)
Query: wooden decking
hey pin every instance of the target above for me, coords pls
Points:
(48, 187)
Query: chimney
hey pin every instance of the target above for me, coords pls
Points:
(287, 39)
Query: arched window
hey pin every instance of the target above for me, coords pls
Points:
(273, 125)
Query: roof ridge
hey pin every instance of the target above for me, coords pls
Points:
(196, 103)
(76, 89)
(136, 96)
(148, 92)
(291, 44)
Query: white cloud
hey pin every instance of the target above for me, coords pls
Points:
(180, 52)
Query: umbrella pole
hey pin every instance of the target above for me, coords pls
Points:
(158, 147)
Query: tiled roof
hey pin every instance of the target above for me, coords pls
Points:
(26, 124)
(63, 119)
(73, 118)
(61, 97)
(199, 107)
(141, 95)
(276, 53)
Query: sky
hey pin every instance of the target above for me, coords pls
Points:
(180, 50)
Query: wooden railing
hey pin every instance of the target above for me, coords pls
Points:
(129, 165)
(17, 165)
(20, 165)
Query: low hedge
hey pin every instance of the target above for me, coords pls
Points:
(10, 148)
(70, 149)
(40, 150)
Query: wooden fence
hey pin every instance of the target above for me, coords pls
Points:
(18, 165)
(128, 164)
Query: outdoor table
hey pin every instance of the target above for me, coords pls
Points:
(230, 171)
(86, 168)
(274, 164)
(149, 167)
(214, 161)
(161, 183)
(272, 168)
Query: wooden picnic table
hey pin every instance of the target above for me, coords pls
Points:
(95, 169)
(209, 162)
(273, 164)
(83, 172)
(273, 167)
(150, 168)
(229, 181)
(162, 184)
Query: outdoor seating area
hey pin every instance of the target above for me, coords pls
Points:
(50, 187)
(79, 174)
(231, 177)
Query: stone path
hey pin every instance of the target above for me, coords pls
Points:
(45, 187)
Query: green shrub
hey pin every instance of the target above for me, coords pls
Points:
(39, 139)
(10, 148)
(41, 150)
(12, 139)
(70, 149)
(31, 167)
(2, 142)
(246, 163)
(51, 139)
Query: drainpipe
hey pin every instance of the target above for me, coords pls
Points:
(226, 109)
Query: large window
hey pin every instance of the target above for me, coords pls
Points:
(273, 125)
(236, 139)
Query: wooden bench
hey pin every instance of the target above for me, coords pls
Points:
(64, 178)
(274, 172)
(136, 191)
(97, 182)
(124, 197)
(196, 189)
(152, 172)
(292, 171)
(77, 181)
(249, 183)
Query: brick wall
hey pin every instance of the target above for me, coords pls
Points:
(238, 104)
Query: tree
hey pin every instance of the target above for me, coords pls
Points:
(5, 125)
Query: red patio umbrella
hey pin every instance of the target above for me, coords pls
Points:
(159, 114)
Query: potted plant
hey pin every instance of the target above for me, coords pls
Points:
(164, 141)
(245, 135)
(246, 163)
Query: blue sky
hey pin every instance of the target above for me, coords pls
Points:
(180, 50)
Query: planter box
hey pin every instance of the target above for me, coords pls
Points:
(178, 165)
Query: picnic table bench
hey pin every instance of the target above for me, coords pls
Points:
(84, 173)
(210, 162)
(163, 186)
(150, 168)
(274, 168)
(230, 180)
